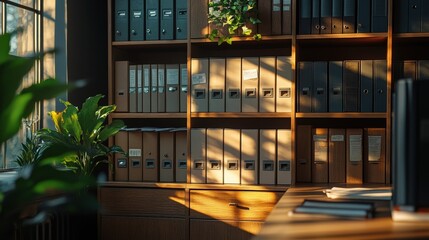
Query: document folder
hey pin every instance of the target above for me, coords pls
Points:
(351, 92)
(137, 18)
(276, 17)
(146, 88)
(319, 169)
(182, 19)
(135, 170)
(250, 83)
(121, 160)
(366, 86)
(249, 156)
(325, 16)
(166, 153)
(287, 17)
(380, 85)
(154, 88)
(214, 155)
(233, 85)
(150, 156)
(303, 153)
(374, 155)
(199, 80)
(267, 156)
(379, 16)
(284, 81)
(167, 19)
(305, 86)
(337, 155)
(161, 88)
(172, 90)
(423, 72)
(198, 20)
(121, 86)
(284, 156)
(264, 14)
(198, 155)
(414, 16)
(183, 87)
(121, 20)
(132, 88)
(363, 18)
(231, 156)
(337, 16)
(315, 13)
(304, 24)
(335, 80)
(139, 88)
(267, 83)
(319, 100)
(152, 19)
(217, 85)
(354, 151)
(349, 16)
(181, 153)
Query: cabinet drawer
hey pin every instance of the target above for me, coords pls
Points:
(234, 205)
(226, 229)
(142, 201)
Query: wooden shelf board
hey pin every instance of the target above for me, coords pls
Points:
(240, 115)
(343, 36)
(148, 115)
(341, 115)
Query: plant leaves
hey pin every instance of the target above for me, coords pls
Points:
(111, 129)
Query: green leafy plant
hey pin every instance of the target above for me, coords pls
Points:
(231, 17)
(38, 184)
(31, 151)
(83, 132)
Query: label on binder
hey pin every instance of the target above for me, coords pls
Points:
(250, 74)
(199, 78)
(355, 148)
(374, 148)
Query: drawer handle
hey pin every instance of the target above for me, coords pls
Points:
(238, 206)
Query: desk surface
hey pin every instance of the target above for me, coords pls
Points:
(280, 225)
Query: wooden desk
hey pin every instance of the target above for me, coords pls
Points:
(279, 225)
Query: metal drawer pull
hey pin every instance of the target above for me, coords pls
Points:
(238, 206)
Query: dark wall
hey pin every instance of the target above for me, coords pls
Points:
(87, 48)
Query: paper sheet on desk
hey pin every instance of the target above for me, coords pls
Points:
(384, 193)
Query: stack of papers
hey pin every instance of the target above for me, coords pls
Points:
(383, 193)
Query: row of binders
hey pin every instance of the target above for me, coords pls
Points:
(150, 87)
(411, 16)
(342, 16)
(138, 20)
(246, 84)
(218, 155)
(342, 86)
(414, 69)
(340, 155)
(275, 16)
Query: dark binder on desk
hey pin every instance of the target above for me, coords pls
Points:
(233, 85)
(167, 19)
(267, 83)
(183, 87)
(319, 168)
(152, 19)
(303, 153)
(198, 155)
(337, 155)
(305, 17)
(264, 14)
(198, 20)
(135, 168)
(172, 90)
(214, 155)
(121, 20)
(366, 86)
(150, 156)
(181, 19)
(284, 156)
(276, 17)
(139, 88)
(249, 156)
(354, 151)
(181, 151)
(364, 16)
(231, 156)
(161, 88)
(380, 85)
(325, 16)
(284, 82)
(199, 83)
(319, 100)
(349, 16)
(154, 88)
(379, 16)
(351, 92)
(250, 84)
(374, 155)
(315, 17)
(216, 85)
(166, 156)
(414, 16)
(121, 86)
(305, 86)
(132, 87)
(267, 156)
(287, 17)
(335, 81)
(121, 160)
(146, 88)
(337, 16)
(137, 18)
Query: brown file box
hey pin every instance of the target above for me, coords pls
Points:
(139, 88)
(303, 153)
(231, 156)
(181, 155)
(198, 19)
(198, 155)
(154, 88)
(264, 14)
(199, 83)
(267, 156)
(319, 169)
(374, 152)
(166, 156)
(214, 155)
(172, 91)
(354, 153)
(284, 82)
(233, 85)
(284, 156)
(249, 84)
(249, 156)
(150, 156)
(121, 161)
(184, 86)
(146, 88)
(337, 155)
(287, 17)
(276, 17)
(121, 86)
(135, 170)
(267, 83)
(217, 85)
(132, 87)
(161, 88)
(351, 83)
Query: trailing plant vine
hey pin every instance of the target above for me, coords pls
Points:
(231, 17)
